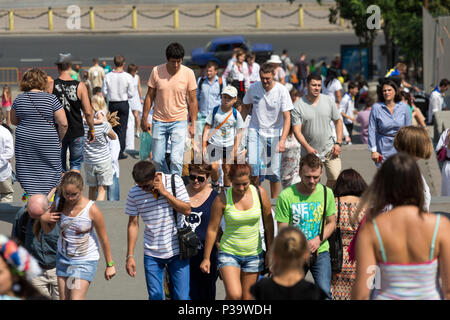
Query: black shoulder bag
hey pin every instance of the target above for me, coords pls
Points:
(187, 239)
(313, 256)
(335, 241)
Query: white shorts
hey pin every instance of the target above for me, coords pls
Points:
(99, 174)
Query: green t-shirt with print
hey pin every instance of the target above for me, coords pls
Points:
(305, 212)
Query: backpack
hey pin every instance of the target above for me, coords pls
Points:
(202, 79)
(217, 109)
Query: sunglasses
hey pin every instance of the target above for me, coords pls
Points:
(199, 178)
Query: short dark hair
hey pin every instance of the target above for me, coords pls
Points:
(95, 60)
(119, 61)
(96, 90)
(175, 51)
(132, 68)
(64, 66)
(143, 171)
(352, 85)
(444, 82)
(212, 63)
(349, 183)
(201, 168)
(267, 68)
(311, 160)
(313, 76)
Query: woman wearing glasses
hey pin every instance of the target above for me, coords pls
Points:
(202, 285)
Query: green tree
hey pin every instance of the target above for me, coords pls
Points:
(401, 23)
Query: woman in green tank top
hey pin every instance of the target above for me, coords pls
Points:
(241, 256)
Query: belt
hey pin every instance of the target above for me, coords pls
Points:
(46, 267)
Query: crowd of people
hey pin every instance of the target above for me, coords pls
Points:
(213, 140)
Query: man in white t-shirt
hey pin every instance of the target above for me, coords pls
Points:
(347, 106)
(437, 102)
(270, 104)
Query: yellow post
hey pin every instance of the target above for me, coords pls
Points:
(217, 17)
(50, 18)
(11, 20)
(134, 18)
(91, 18)
(258, 17)
(341, 22)
(300, 16)
(176, 21)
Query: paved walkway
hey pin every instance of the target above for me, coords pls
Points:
(193, 18)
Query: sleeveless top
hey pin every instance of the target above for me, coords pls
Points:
(241, 235)
(66, 92)
(198, 220)
(413, 281)
(78, 242)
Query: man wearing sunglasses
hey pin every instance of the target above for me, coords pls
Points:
(152, 199)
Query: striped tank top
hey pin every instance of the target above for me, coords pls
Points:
(415, 281)
(241, 236)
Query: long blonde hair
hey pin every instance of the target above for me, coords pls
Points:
(7, 91)
(98, 103)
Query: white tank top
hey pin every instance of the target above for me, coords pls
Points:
(78, 241)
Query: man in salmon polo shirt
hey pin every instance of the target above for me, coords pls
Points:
(172, 92)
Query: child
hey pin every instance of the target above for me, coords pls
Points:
(78, 252)
(97, 161)
(221, 143)
(347, 106)
(99, 106)
(6, 104)
(6, 154)
(288, 255)
(113, 191)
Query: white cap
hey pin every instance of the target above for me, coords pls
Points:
(231, 91)
(274, 59)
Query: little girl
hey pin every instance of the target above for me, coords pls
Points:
(289, 253)
(99, 105)
(78, 252)
(6, 104)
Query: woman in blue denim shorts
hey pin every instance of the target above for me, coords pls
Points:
(78, 250)
(241, 256)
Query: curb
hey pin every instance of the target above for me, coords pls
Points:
(172, 31)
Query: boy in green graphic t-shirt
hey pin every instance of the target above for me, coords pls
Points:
(302, 205)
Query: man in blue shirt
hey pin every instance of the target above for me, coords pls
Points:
(208, 93)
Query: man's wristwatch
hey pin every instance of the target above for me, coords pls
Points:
(338, 143)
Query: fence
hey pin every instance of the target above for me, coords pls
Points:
(134, 13)
(9, 75)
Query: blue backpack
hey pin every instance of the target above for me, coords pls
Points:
(217, 109)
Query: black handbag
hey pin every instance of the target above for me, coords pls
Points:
(335, 241)
(187, 239)
(313, 256)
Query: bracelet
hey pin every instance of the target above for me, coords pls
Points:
(128, 257)
(110, 264)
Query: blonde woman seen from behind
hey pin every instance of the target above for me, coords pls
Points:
(288, 255)
(405, 240)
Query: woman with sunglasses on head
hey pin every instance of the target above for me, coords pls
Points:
(202, 285)
(241, 257)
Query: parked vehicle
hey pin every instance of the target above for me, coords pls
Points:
(220, 50)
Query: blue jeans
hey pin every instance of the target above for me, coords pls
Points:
(113, 191)
(321, 272)
(262, 151)
(76, 150)
(161, 131)
(179, 276)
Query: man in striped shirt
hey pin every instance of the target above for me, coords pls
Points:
(152, 199)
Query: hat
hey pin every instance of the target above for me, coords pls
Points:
(231, 91)
(274, 59)
(64, 58)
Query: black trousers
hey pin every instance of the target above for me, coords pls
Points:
(122, 109)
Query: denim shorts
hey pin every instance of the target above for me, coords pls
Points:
(84, 270)
(246, 264)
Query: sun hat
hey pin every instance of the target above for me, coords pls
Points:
(274, 59)
(230, 90)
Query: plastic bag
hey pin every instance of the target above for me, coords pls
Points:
(146, 145)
